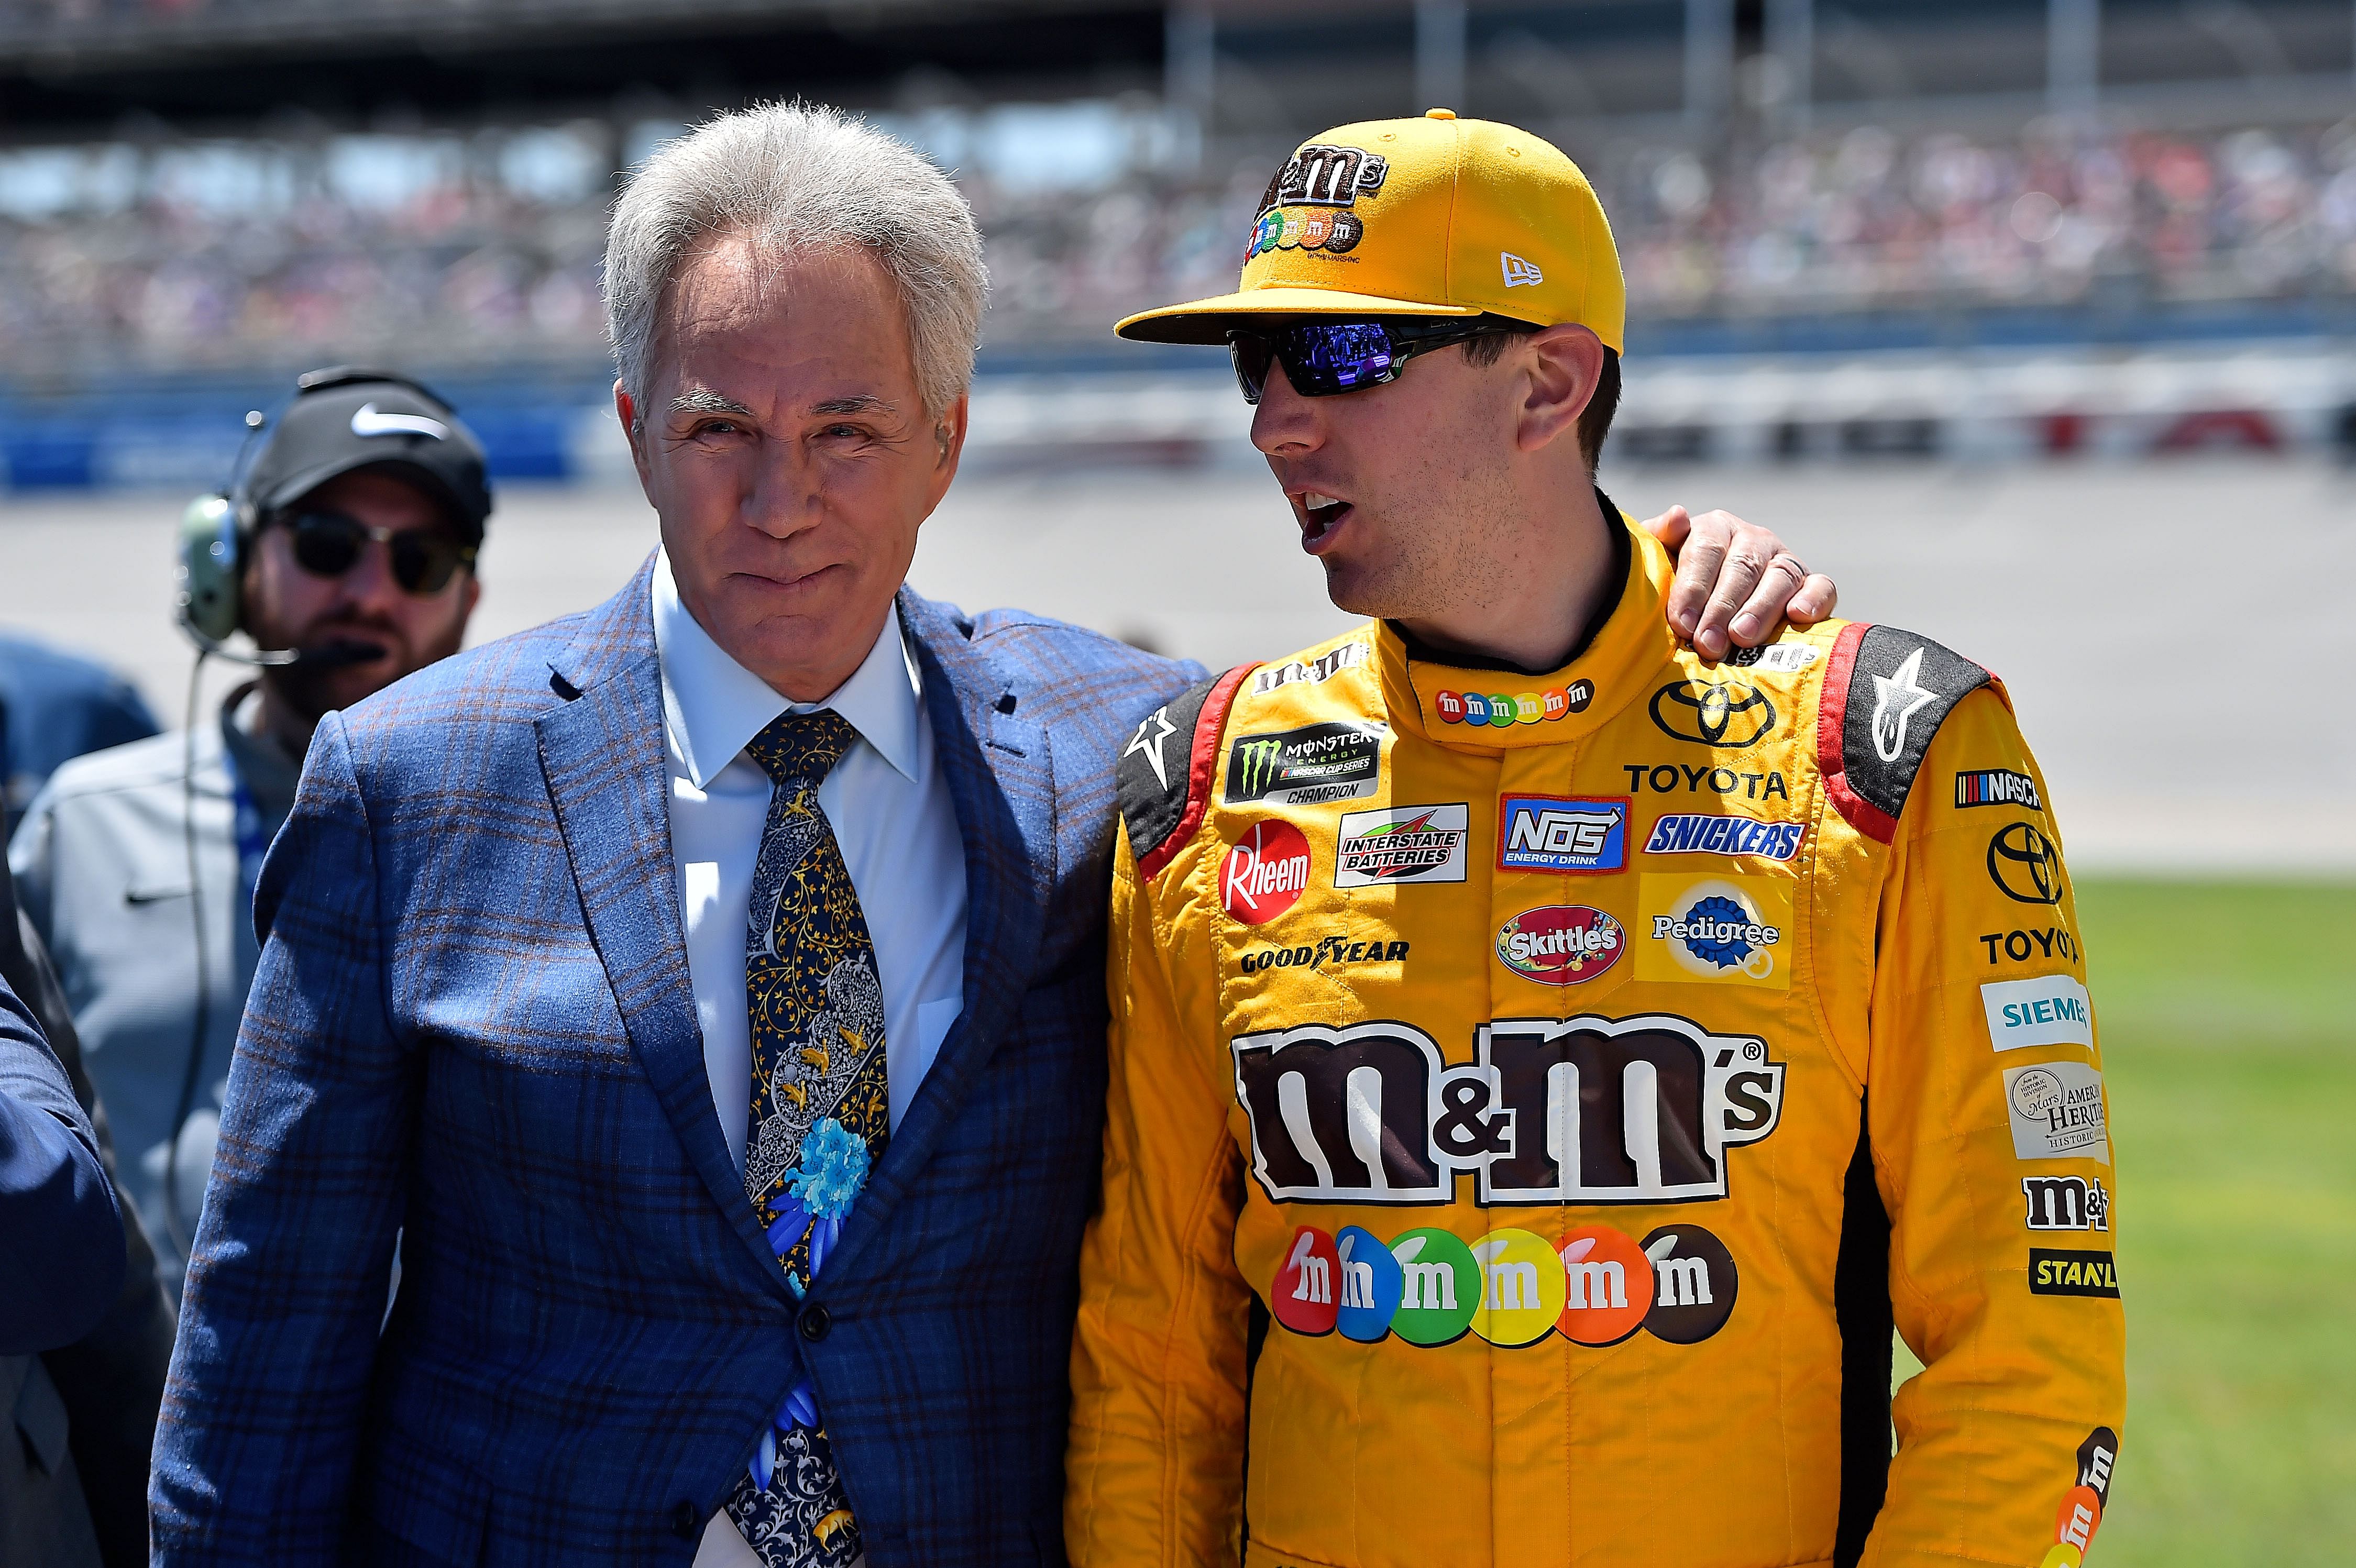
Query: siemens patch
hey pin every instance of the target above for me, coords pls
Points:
(1702, 835)
(2046, 1010)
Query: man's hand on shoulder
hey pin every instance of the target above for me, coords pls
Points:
(1735, 581)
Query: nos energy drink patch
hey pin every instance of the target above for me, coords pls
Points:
(1578, 833)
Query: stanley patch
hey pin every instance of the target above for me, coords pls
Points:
(2056, 1273)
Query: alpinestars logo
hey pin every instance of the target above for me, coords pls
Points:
(1895, 701)
(1153, 733)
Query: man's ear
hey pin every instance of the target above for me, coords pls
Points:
(625, 409)
(948, 431)
(948, 442)
(1561, 365)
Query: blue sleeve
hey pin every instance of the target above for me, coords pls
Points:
(262, 1420)
(61, 1255)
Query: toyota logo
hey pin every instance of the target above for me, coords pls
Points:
(1713, 713)
(2024, 864)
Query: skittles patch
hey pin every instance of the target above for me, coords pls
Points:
(1560, 944)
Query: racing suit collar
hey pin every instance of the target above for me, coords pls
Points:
(1457, 705)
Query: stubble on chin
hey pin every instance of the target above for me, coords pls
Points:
(1401, 588)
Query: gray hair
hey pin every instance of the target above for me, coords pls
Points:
(801, 177)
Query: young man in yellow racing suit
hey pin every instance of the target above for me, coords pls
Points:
(1545, 1062)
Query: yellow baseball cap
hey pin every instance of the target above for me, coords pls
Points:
(1431, 217)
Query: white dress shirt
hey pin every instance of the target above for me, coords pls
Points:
(897, 827)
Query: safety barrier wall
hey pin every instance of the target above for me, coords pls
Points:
(2046, 404)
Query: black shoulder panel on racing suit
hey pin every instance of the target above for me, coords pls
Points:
(1165, 776)
(1886, 693)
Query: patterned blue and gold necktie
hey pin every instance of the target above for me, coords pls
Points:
(821, 1110)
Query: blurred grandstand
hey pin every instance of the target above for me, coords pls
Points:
(196, 196)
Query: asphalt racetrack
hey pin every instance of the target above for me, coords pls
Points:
(2171, 636)
(2173, 632)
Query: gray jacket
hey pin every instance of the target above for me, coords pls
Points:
(103, 866)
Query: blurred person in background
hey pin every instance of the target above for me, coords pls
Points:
(1547, 1061)
(59, 1233)
(55, 706)
(705, 988)
(87, 1408)
(347, 553)
(61, 1266)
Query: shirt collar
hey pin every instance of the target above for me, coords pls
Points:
(257, 759)
(714, 705)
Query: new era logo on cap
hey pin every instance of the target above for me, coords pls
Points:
(1517, 270)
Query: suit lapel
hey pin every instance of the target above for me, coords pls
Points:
(1002, 778)
(602, 756)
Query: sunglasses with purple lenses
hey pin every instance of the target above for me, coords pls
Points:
(1326, 358)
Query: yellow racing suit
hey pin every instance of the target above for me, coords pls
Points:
(1534, 1098)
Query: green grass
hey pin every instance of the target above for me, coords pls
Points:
(2228, 1017)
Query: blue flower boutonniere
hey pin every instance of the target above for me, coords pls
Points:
(832, 1170)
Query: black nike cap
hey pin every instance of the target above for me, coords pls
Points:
(344, 419)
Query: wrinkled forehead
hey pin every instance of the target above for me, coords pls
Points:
(737, 296)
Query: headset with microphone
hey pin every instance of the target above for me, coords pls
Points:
(213, 549)
(217, 531)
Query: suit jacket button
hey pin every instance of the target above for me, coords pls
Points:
(815, 1321)
(683, 1522)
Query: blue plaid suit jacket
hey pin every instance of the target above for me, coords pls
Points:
(473, 1028)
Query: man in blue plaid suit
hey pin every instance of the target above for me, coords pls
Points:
(704, 995)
